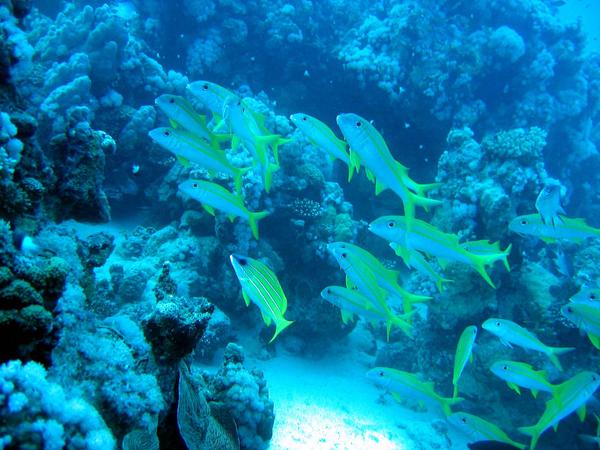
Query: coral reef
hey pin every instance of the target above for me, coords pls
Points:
(244, 394)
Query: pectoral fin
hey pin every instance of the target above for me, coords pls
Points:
(246, 298)
(514, 387)
(266, 318)
(581, 411)
(209, 209)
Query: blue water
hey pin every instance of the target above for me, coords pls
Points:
(118, 290)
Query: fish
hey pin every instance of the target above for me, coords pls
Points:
(247, 130)
(407, 385)
(386, 278)
(214, 196)
(548, 204)
(321, 136)
(586, 294)
(189, 148)
(511, 333)
(574, 230)
(181, 113)
(478, 429)
(364, 280)
(351, 302)
(427, 239)
(417, 261)
(570, 396)
(585, 315)
(212, 96)
(367, 147)
(464, 354)
(522, 375)
(261, 287)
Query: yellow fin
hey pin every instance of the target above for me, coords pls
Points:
(246, 298)
(183, 161)
(514, 387)
(581, 411)
(209, 209)
(266, 318)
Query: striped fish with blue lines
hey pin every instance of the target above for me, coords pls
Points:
(261, 287)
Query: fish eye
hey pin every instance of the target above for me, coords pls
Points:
(171, 100)
(497, 324)
(195, 185)
(463, 419)
(205, 87)
(359, 124)
(380, 373)
(344, 255)
(523, 222)
(304, 118)
(593, 296)
(505, 368)
(242, 262)
(569, 309)
(328, 291)
(391, 224)
(167, 133)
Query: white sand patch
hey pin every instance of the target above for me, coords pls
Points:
(326, 405)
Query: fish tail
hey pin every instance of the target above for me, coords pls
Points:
(480, 268)
(253, 219)
(554, 351)
(401, 324)
(505, 254)
(422, 189)
(440, 283)
(448, 403)
(280, 325)
(275, 146)
(269, 175)
(237, 179)
(533, 432)
(423, 202)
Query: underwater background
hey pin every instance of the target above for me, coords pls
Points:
(210, 237)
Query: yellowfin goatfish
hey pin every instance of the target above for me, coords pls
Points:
(364, 280)
(479, 429)
(320, 135)
(548, 204)
(368, 147)
(570, 396)
(261, 286)
(585, 314)
(387, 278)
(212, 96)
(213, 196)
(189, 148)
(351, 302)
(246, 130)
(574, 230)
(416, 260)
(522, 375)
(510, 333)
(181, 113)
(585, 294)
(407, 385)
(464, 354)
(427, 239)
